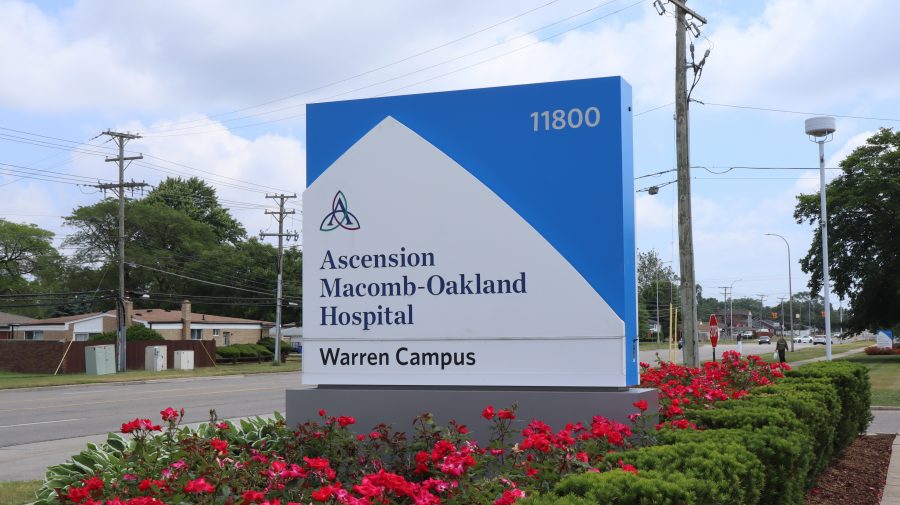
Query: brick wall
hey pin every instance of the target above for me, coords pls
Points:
(25, 356)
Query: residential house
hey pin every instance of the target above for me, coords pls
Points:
(9, 323)
(75, 327)
(171, 324)
(186, 325)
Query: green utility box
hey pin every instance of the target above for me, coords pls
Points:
(100, 359)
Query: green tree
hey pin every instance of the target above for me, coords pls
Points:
(863, 216)
(153, 233)
(198, 200)
(656, 279)
(28, 260)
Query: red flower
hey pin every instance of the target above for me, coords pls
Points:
(316, 463)
(324, 493)
(321, 412)
(199, 486)
(627, 467)
(488, 412)
(509, 497)
(506, 414)
(219, 445)
(169, 414)
(641, 404)
(252, 496)
(345, 421)
(140, 424)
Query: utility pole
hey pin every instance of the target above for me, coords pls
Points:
(121, 139)
(279, 214)
(682, 147)
(781, 302)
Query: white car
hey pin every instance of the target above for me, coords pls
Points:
(818, 339)
(803, 340)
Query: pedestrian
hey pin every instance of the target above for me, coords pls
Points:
(781, 347)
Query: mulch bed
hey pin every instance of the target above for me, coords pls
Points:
(857, 477)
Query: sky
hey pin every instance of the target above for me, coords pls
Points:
(218, 89)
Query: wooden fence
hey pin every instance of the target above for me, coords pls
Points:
(27, 356)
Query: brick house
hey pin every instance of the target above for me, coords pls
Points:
(171, 324)
(187, 325)
(9, 323)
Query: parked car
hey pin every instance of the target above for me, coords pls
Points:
(803, 340)
(765, 340)
(818, 339)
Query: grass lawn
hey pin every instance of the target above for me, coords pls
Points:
(653, 346)
(816, 351)
(884, 372)
(11, 380)
(18, 493)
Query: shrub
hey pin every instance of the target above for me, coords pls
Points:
(851, 380)
(134, 333)
(228, 352)
(874, 350)
(733, 474)
(647, 487)
(816, 405)
(784, 456)
(269, 343)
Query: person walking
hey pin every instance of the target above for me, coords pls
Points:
(781, 347)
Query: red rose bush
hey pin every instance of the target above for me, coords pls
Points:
(329, 461)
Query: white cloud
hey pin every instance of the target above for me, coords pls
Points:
(651, 213)
(804, 53)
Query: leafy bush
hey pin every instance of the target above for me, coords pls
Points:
(244, 351)
(784, 455)
(649, 487)
(134, 333)
(816, 405)
(269, 343)
(733, 474)
(228, 352)
(851, 381)
(874, 350)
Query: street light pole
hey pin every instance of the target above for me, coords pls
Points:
(790, 289)
(731, 317)
(821, 130)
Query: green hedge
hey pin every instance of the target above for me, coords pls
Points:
(134, 333)
(784, 456)
(269, 343)
(244, 351)
(765, 448)
(851, 380)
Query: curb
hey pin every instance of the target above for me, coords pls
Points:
(891, 493)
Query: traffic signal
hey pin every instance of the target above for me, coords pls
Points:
(774, 315)
(823, 313)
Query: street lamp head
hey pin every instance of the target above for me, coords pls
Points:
(820, 127)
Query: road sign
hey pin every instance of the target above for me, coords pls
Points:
(713, 330)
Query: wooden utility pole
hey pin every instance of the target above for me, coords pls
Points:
(121, 139)
(683, 162)
(279, 214)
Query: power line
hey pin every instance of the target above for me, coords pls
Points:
(361, 74)
(136, 265)
(804, 113)
(226, 128)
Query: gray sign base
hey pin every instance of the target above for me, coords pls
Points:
(398, 406)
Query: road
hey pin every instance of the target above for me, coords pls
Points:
(751, 347)
(54, 413)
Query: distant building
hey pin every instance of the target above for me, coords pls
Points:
(171, 324)
(9, 323)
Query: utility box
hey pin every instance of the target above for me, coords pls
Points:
(100, 359)
(184, 360)
(155, 358)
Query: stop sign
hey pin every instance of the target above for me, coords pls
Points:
(713, 330)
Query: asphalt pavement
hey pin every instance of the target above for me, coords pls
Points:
(52, 413)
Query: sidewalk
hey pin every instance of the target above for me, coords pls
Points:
(822, 358)
(891, 494)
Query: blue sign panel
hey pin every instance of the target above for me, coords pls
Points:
(559, 155)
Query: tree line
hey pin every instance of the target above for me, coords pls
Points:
(180, 243)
